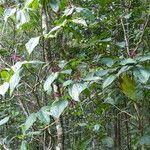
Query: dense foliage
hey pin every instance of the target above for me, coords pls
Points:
(74, 75)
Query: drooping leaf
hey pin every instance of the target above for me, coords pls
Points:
(128, 61)
(14, 81)
(31, 44)
(58, 107)
(108, 81)
(4, 88)
(29, 121)
(43, 116)
(142, 74)
(76, 90)
(49, 81)
(128, 86)
(4, 120)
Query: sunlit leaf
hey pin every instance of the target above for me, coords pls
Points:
(76, 90)
(49, 81)
(29, 121)
(31, 44)
(4, 88)
(14, 81)
(4, 120)
(108, 81)
(58, 107)
(142, 74)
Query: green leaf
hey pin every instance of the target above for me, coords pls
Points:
(68, 82)
(76, 90)
(54, 5)
(49, 81)
(142, 74)
(108, 142)
(128, 61)
(108, 61)
(80, 21)
(108, 81)
(4, 120)
(5, 75)
(14, 81)
(145, 140)
(128, 86)
(143, 58)
(23, 145)
(29, 121)
(4, 88)
(32, 43)
(58, 107)
(43, 116)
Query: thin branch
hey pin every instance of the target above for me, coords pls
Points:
(125, 38)
(142, 35)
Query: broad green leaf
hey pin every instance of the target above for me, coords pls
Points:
(29, 121)
(58, 107)
(142, 74)
(128, 61)
(4, 88)
(123, 69)
(76, 90)
(8, 13)
(4, 120)
(55, 30)
(143, 58)
(109, 100)
(14, 81)
(54, 5)
(108, 142)
(49, 81)
(43, 116)
(108, 81)
(128, 86)
(23, 145)
(5, 75)
(91, 77)
(32, 43)
(108, 61)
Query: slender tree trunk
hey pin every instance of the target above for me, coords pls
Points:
(47, 58)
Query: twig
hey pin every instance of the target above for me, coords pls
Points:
(142, 35)
(125, 37)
